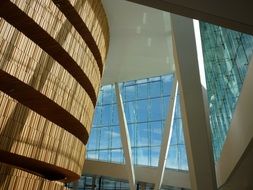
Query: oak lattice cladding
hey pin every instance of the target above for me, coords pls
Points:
(53, 60)
(18, 179)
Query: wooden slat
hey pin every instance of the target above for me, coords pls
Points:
(39, 168)
(12, 14)
(43, 169)
(44, 106)
(71, 14)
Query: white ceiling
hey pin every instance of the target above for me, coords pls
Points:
(140, 42)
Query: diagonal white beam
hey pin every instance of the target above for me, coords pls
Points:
(125, 140)
(191, 77)
(166, 136)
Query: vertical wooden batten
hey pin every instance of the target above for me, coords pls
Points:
(49, 80)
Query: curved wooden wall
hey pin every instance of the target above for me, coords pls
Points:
(52, 55)
(18, 179)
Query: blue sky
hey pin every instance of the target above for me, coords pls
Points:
(146, 105)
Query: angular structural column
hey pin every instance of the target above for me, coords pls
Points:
(51, 63)
(190, 72)
(166, 136)
(125, 139)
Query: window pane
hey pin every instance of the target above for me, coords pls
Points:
(142, 134)
(183, 165)
(116, 140)
(130, 111)
(106, 116)
(142, 156)
(93, 140)
(172, 161)
(115, 117)
(104, 137)
(141, 110)
(155, 89)
(117, 155)
(103, 155)
(107, 94)
(155, 153)
(130, 92)
(167, 82)
(146, 105)
(142, 91)
(93, 155)
(156, 133)
(132, 132)
(156, 109)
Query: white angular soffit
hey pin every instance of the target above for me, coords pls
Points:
(140, 42)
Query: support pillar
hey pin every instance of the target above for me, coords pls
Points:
(166, 136)
(125, 140)
(191, 76)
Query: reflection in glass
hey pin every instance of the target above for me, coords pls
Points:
(226, 56)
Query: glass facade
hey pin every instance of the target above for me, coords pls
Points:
(104, 142)
(105, 183)
(146, 105)
(226, 56)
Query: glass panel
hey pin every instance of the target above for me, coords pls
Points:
(226, 57)
(180, 136)
(156, 133)
(165, 107)
(115, 117)
(115, 137)
(156, 109)
(107, 94)
(98, 116)
(132, 134)
(155, 153)
(142, 156)
(130, 111)
(182, 158)
(142, 91)
(117, 155)
(146, 104)
(141, 110)
(167, 83)
(178, 110)
(93, 140)
(142, 134)
(93, 155)
(172, 160)
(174, 136)
(155, 89)
(104, 138)
(130, 92)
(106, 114)
(103, 155)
